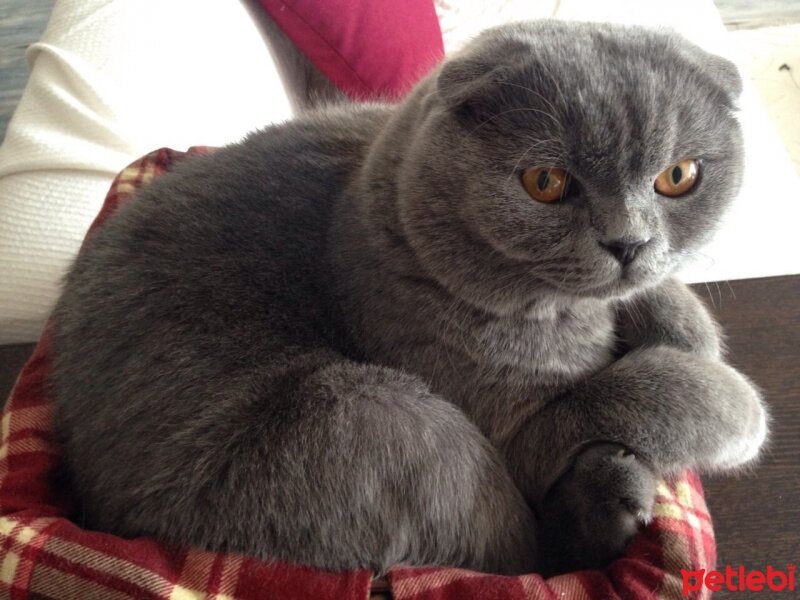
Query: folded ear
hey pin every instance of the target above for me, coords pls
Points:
(468, 83)
(465, 86)
(725, 74)
(722, 73)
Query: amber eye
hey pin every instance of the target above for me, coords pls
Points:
(546, 184)
(679, 178)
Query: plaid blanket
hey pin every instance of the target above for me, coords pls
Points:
(44, 555)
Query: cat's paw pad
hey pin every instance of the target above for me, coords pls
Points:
(598, 506)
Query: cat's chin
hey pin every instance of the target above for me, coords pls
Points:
(620, 286)
(608, 280)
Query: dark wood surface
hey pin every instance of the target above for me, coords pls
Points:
(11, 360)
(757, 512)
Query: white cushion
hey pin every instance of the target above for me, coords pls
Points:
(111, 81)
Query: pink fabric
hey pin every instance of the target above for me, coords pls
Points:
(369, 49)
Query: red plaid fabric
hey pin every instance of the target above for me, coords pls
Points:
(44, 555)
(679, 537)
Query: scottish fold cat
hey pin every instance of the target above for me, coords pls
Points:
(441, 332)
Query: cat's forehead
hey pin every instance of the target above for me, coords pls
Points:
(594, 64)
(595, 91)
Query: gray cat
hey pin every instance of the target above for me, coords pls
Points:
(443, 332)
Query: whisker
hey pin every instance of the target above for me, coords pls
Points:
(728, 283)
(505, 112)
(538, 95)
(710, 296)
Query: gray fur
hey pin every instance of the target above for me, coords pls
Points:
(355, 340)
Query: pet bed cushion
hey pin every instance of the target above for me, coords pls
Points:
(368, 50)
(43, 554)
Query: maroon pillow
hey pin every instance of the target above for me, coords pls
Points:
(369, 49)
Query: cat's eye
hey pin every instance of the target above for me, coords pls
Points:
(678, 179)
(546, 184)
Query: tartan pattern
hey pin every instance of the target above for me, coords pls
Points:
(44, 555)
(679, 537)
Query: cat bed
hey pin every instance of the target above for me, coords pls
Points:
(46, 555)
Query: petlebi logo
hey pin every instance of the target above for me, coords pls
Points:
(739, 579)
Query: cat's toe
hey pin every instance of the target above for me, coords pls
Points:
(594, 511)
(627, 480)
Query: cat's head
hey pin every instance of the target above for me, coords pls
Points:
(569, 159)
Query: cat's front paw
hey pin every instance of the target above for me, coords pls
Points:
(591, 514)
(743, 427)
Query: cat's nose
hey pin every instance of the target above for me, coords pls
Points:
(624, 249)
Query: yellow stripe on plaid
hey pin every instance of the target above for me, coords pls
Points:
(147, 579)
(684, 493)
(7, 526)
(195, 579)
(231, 569)
(105, 563)
(25, 445)
(52, 582)
(25, 535)
(196, 572)
(6, 427)
(20, 537)
(667, 504)
(124, 187)
(667, 511)
(662, 489)
(181, 593)
(20, 531)
(149, 171)
(128, 181)
(568, 586)
(134, 176)
(36, 418)
(8, 568)
(679, 503)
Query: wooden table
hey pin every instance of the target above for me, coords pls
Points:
(756, 513)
